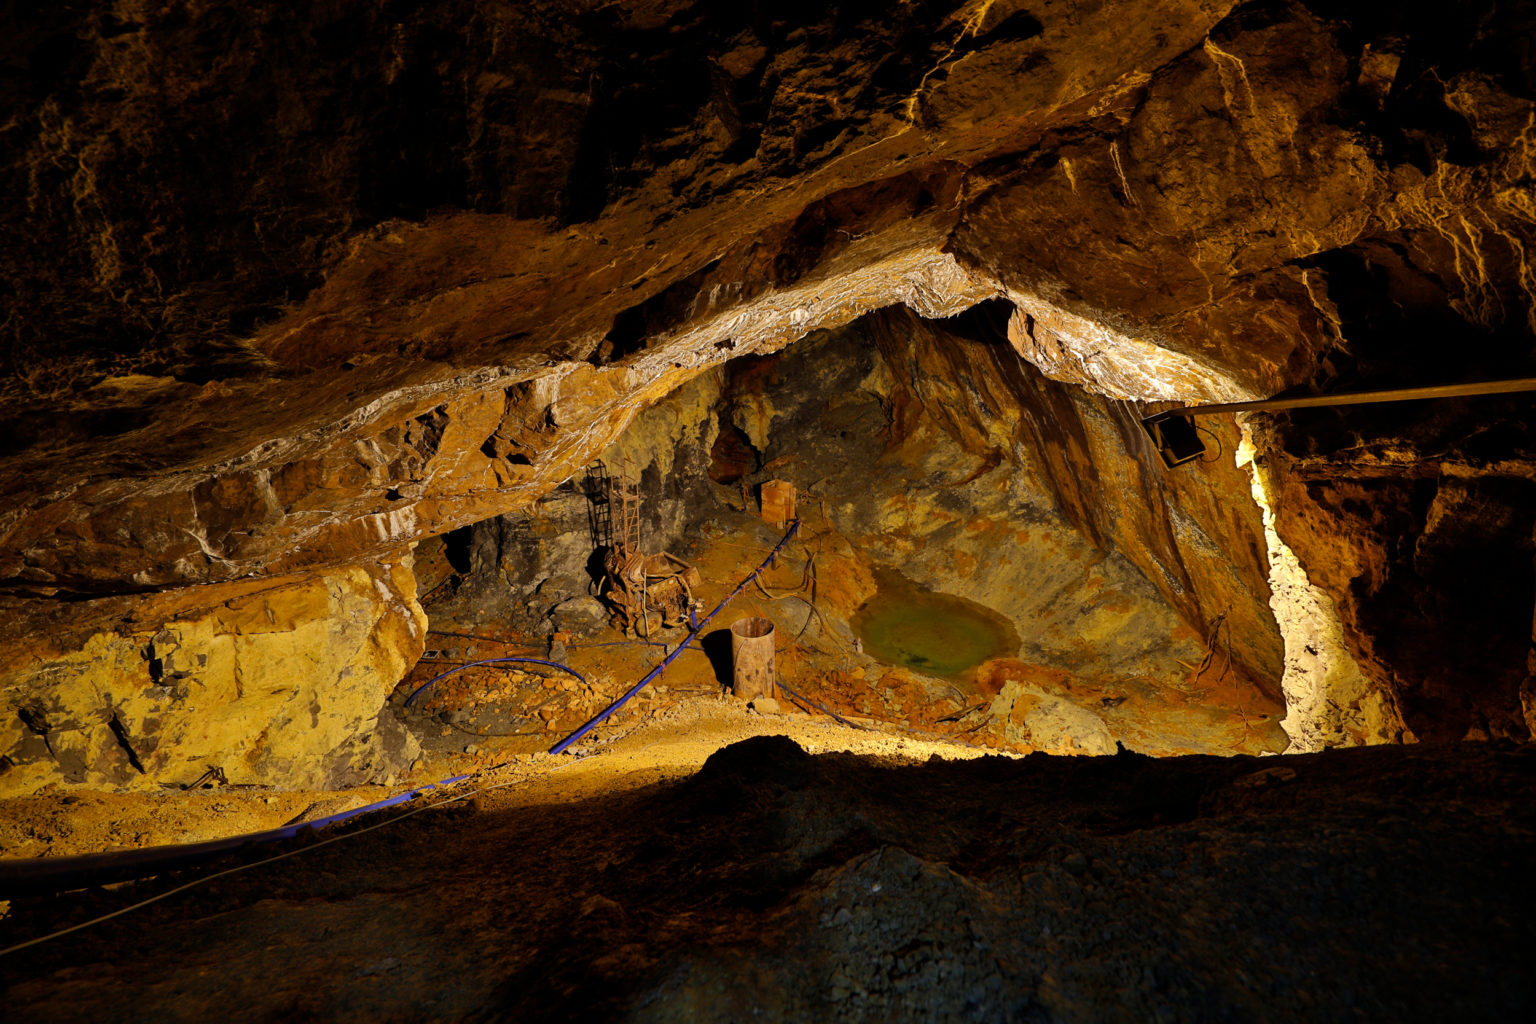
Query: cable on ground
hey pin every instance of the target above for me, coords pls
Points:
(494, 661)
(269, 860)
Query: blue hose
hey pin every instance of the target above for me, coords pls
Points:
(492, 661)
(540, 647)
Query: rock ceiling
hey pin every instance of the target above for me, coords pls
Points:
(289, 289)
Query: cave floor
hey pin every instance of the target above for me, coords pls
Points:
(670, 733)
(503, 709)
(492, 716)
(1380, 883)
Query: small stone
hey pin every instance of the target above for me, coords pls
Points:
(585, 609)
(471, 749)
(765, 706)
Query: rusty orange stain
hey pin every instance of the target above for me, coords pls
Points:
(1182, 632)
(993, 675)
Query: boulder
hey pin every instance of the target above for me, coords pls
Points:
(1042, 721)
(282, 687)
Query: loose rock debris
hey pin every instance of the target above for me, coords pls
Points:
(1383, 883)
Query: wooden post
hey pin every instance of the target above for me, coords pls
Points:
(752, 669)
(778, 501)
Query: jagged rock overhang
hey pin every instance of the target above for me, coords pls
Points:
(1134, 193)
(412, 315)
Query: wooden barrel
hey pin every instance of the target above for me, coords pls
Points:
(752, 672)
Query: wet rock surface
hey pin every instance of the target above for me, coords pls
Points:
(1383, 882)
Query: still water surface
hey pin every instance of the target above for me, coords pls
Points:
(928, 631)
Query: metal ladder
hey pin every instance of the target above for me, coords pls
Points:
(599, 492)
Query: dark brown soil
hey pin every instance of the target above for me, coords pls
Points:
(1388, 883)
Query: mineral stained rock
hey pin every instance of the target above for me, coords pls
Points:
(283, 686)
(289, 288)
(933, 451)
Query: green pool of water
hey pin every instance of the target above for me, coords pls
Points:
(929, 632)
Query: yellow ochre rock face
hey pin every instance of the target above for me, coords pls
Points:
(282, 687)
(1035, 719)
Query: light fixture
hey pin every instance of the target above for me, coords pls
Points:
(1177, 440)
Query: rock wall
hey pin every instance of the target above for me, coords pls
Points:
(1196, 536)
(520, 569)
(1427, 554)
(1330, 701)
(905, 479)
(283, 686)
(936, 450)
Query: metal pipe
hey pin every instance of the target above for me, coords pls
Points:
(1487, 387)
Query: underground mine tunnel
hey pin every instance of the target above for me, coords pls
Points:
(676, 511)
